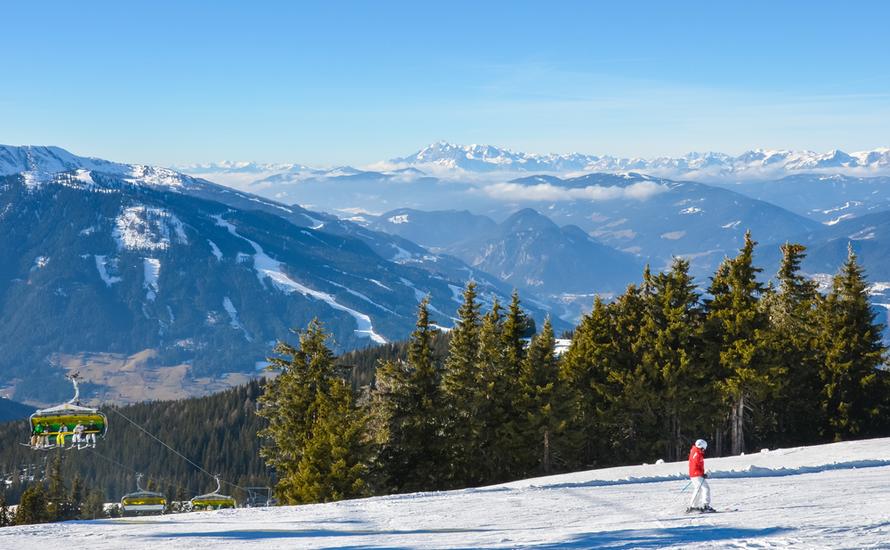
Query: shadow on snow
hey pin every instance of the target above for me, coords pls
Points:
(627, 539)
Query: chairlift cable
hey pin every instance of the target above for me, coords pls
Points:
(182, 456)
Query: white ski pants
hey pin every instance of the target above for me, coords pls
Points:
(701, 493)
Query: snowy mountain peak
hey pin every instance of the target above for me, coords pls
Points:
(48, 160)
(39, 165)
(711, 165)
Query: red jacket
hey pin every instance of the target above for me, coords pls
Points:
(696, 462)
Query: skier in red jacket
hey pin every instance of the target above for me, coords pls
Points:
(701, 493)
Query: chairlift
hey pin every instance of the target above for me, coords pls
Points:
(214, 500)
(55, 426)
(142, 502)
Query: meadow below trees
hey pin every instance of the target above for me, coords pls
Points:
(740, 363)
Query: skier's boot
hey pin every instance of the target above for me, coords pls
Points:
(707, 509)
(692, 509)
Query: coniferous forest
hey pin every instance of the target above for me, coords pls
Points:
(742, 363)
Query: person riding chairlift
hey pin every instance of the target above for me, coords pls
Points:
(38, 438)
(60, 438)
(77, 438)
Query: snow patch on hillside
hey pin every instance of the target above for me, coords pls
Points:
(217, 253)
(102, 265)
(267, 267)
(147, 228)
(234, 321)
(152, 270)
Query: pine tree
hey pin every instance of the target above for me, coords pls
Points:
(75, 498)
(585, 369)
(333, 465)
(461, 394)
(633, 410)
(5, 518)
(850, 339)
(93, 505)
(302, 443)
(670, 346)
(735, 327)
(58, 507)
(499, 438)
(408, 397)
(795, 416)
(33, 506)
(544, 398)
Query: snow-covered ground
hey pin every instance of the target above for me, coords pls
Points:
(830, 496)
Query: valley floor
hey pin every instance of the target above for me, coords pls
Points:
(829, 496)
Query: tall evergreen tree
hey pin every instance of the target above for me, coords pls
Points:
(33, 507)
(795, 413)
(461, 392)
(333, 464)
(93, 505)
(853, 388)
(408, 397)
(313, 459)
(670, 347)
(585, 369)
(736, 325)
(632, 389)
(544, 396)
(5, 518)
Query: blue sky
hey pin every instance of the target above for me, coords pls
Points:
(355, 82)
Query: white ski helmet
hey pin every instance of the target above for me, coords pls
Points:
(701, 444)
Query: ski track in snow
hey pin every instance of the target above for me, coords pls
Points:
(234, 321)
(152, 270)
(828, 496)
(267, 267)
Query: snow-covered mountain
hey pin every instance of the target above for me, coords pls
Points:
(47, 160)
(709, 166)
(827, 198)
(527, 251)
(155, 284)
(655, 218)
(825, 496)
(450, 161)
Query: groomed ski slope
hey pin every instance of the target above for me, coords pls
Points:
(828, 496)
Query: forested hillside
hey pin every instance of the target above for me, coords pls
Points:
(217, 432)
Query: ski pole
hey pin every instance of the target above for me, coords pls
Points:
(688, 483)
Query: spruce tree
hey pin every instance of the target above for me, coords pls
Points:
(333, 464)
(300, 439)
(850, 339)
(795, 416)
(5, 518)
(499, 431)
(633, 410)
(93, 505)
(736, 329)
(670, 347)
(585, 369)
(75, 498)
(33, 506)
(408, 397)
(462, 396)
(544, 399)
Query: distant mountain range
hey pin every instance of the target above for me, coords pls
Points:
(159, 284)
(456, 162)
(155, 284)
